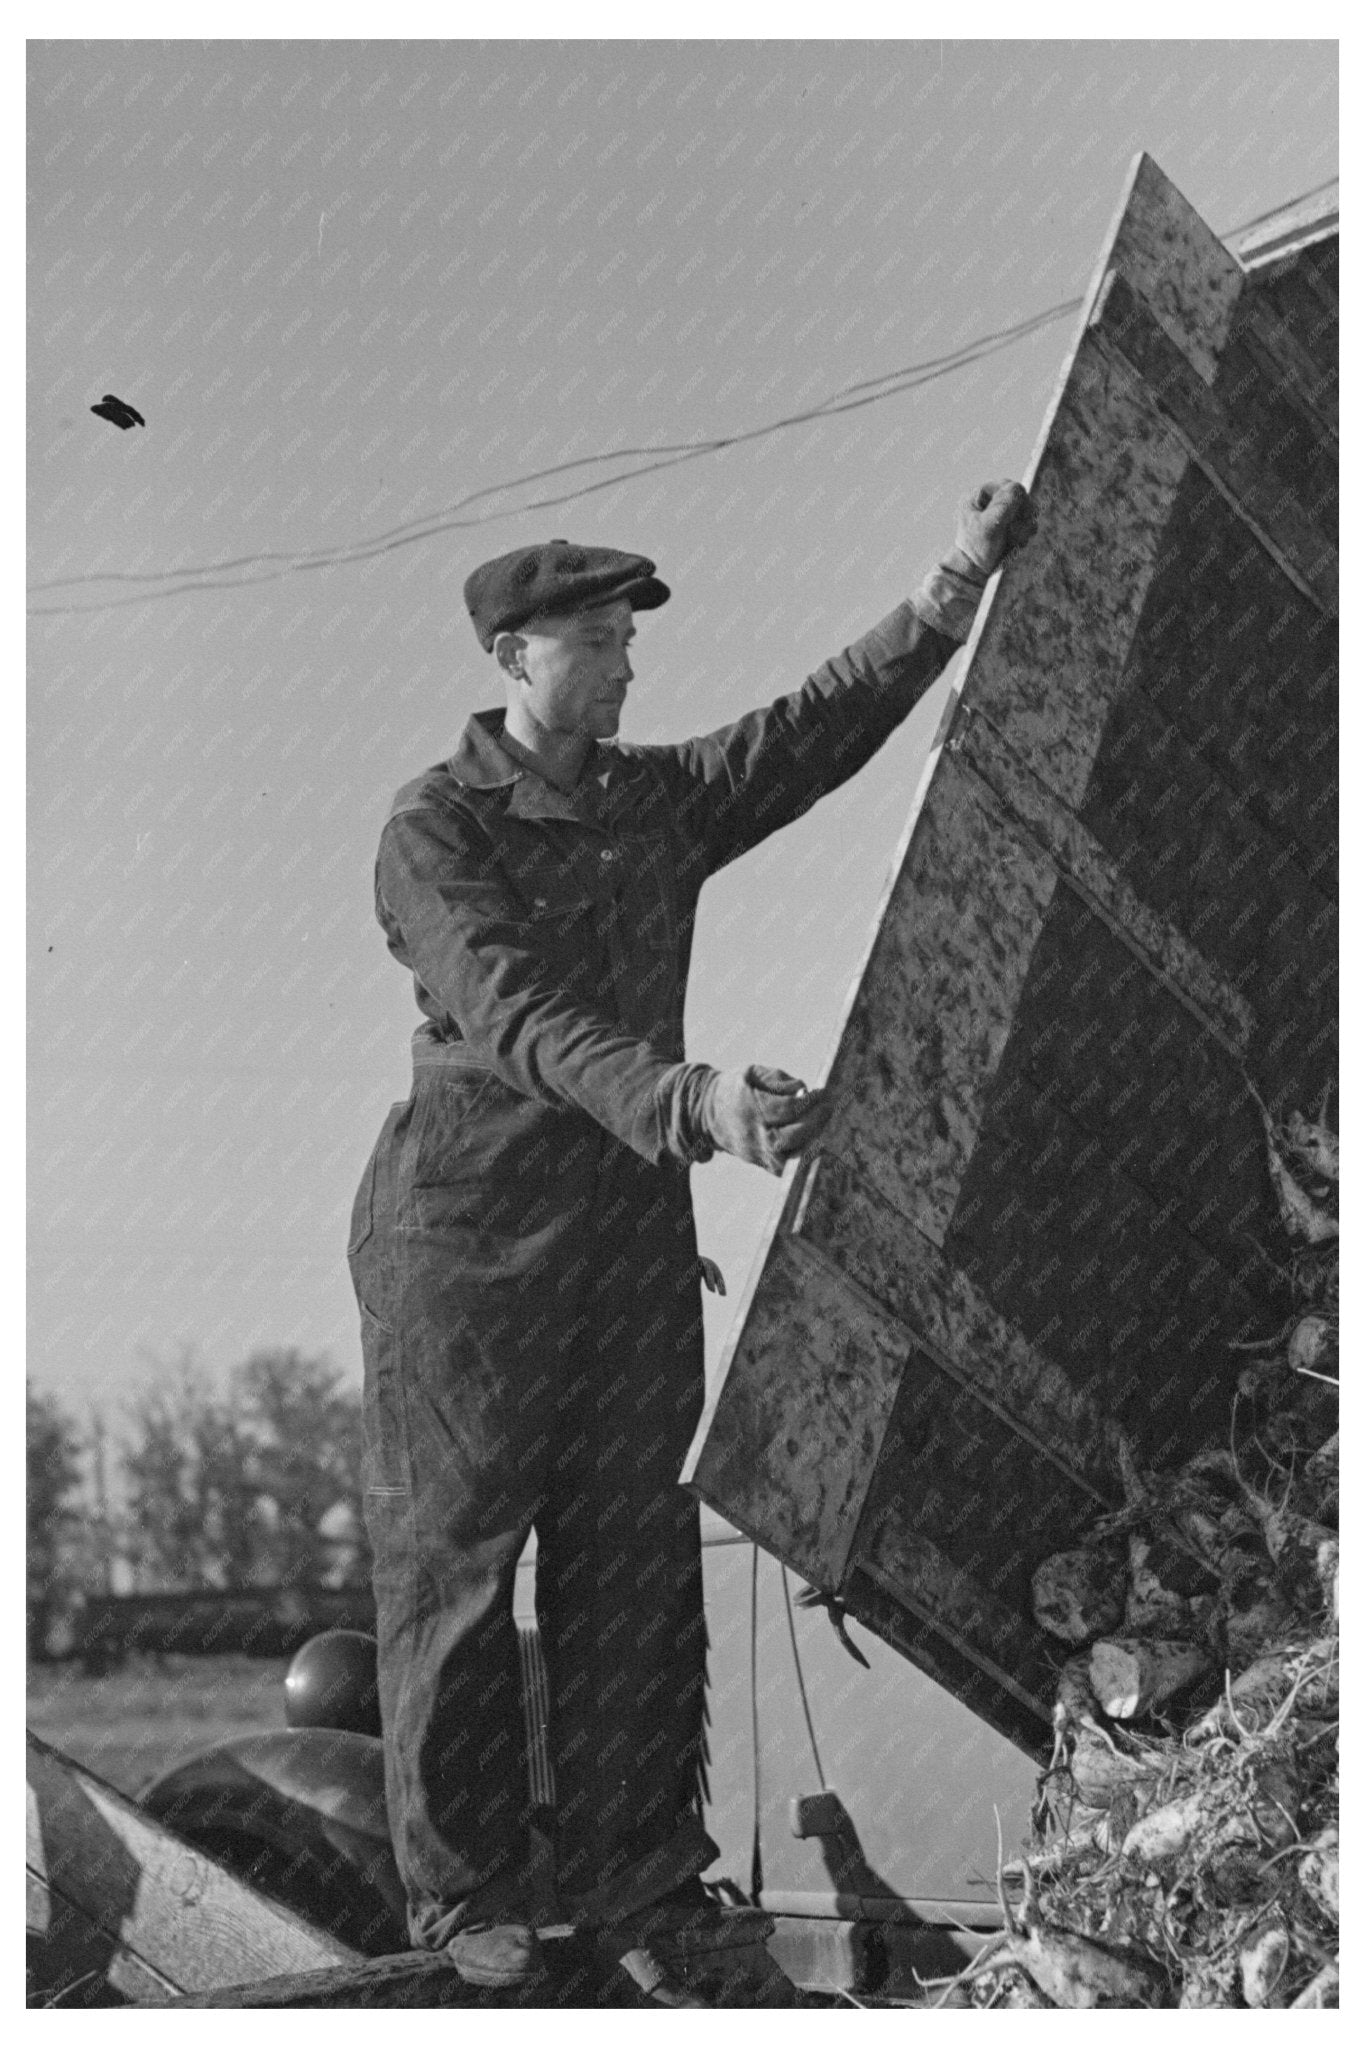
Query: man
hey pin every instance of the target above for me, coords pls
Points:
(523, 1248)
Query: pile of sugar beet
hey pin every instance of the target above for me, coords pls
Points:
(1185, 1837)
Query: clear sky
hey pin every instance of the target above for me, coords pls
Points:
(348, 285)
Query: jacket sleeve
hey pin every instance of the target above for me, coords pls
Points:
(733, 787)
(452, 919)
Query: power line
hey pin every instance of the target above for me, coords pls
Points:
(239, 572)
(433, 522)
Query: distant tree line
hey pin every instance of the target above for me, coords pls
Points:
(252, 1483)
(53, 1520)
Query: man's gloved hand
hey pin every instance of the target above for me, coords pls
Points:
(992, 523)
(762, 1115)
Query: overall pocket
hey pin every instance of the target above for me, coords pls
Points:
(368, 1247)
(490, 1180)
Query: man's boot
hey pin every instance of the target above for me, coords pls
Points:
(689, 1950)
(503, 1958)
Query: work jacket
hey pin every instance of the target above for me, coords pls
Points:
(549, 934)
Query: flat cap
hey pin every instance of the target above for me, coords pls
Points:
(556, 576)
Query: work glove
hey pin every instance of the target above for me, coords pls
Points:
(993, 522)
(761, 1115)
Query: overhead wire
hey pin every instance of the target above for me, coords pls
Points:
(421, 528)
(242, 571)
(270, 566)
(801, 1683)
(756, 1846)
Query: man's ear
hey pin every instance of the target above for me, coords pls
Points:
(508, 649)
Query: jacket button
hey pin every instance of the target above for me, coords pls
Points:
(607, 853)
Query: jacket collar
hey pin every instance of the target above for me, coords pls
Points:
(480, 762)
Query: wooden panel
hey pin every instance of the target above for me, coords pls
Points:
(74, 1962)
(170, 1909)
(893, 1265)
(1038, 1213)
(1224, 450)
(1285, 411)
(405, 1982)
(935, 1003)
(1289, 228)
(725, 1962)
(1241, 675)
(1301, 295)
(952, 1602)
(1048, 661)
(1078, 1222)
(1262, 337)
(1097, 1040)
(1187, 276)
(962, 1513)
(1161, 945)
(809, 1396)
(972, 1679)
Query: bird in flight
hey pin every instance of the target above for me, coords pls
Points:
(121, 415)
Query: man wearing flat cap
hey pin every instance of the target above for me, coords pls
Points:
(523, 1249)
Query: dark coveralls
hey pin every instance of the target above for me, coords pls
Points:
(524, 1255)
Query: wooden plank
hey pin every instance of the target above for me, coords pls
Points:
(1100, 1274)
(1307, 557)
(1314, 218)
(1047, 662)
(912, 1568)
(1302, 292)
(1171, 257)
(726, 1957)
(1282, 434)
(1228, 707)
(802, 1355)
(941, 984)
(1233, 845)
(1142, 1085)
(1054, 632)
(958, 1519)
(73, 1961)
(1160, 945)
(168, 1905)
(1273, 341)
(893, 1614)
(1316, 273)
(414, 1982)
(844, 1221)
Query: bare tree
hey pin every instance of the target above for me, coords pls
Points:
(306, 1428)
(244, 1486)
(53, 1520)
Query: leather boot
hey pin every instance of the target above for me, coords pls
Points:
(497, 1957)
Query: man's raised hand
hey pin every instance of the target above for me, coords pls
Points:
(994, 521)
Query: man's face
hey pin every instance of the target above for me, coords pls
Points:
(573, 671)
